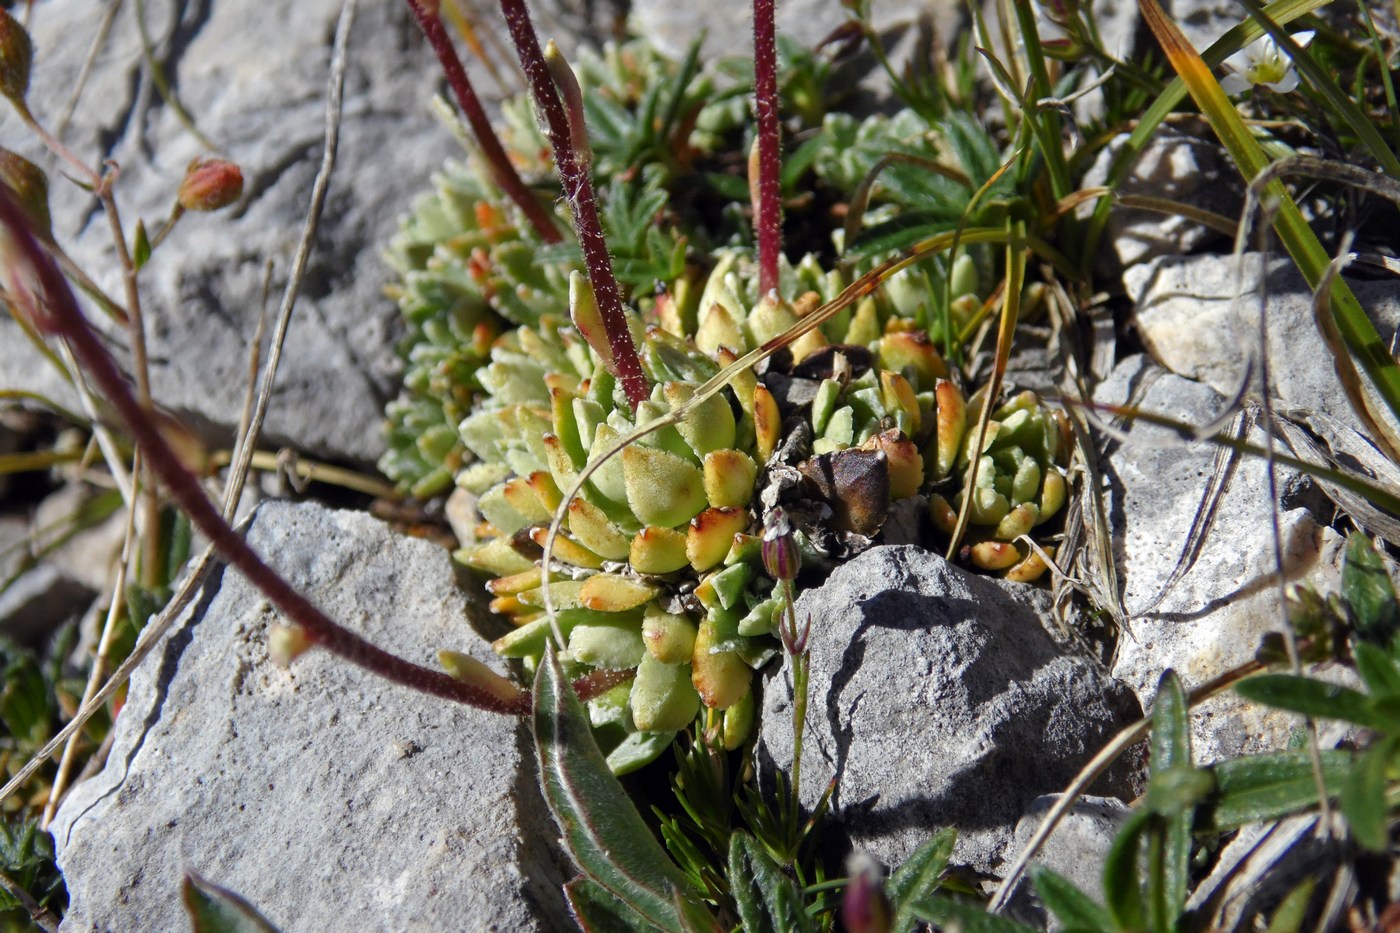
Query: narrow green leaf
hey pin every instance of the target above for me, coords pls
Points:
(1367, 590)
(1315, 698)
(967, 918)
(602, 829)
(213, 909)
(598, 910)
(1072, 907)
(1174, 789)
(1266, 787)
(1122, 886)
(1363, 797)
(1324, 84)
(1289, 916)
(1292, 228)
(1378, 670)
(768, 900)
(919, 876)
(1171, 726)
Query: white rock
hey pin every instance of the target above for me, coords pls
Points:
(1192, 325)
(938, 698)
(322, 794)
(1213, 618)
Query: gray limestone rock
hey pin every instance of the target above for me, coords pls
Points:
(1173, 167)
(1214, 616)
(939, 698)
(253, 79)
(1075, 850)
(321, 794)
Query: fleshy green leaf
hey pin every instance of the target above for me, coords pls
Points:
(213, 909)
(1367, 589)
(602, 829)
(768, 900)
(1266, 787)
(1310, 697)
(1072, 907)
(919, 876)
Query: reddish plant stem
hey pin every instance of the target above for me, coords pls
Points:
(583, 205)
(56, 311)
(768, 212)
(504, 173)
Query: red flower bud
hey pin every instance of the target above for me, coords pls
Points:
(210, 184)
(781, 558)
(16, 55)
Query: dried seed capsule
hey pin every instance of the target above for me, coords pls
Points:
(210, 184)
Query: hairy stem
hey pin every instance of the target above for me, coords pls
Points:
(768, 212)
(583, 204)
(39, 288)
(425, 12)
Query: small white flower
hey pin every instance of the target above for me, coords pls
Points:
(1261, 62)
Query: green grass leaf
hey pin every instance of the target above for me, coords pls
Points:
(602, 829)
(1293, 230)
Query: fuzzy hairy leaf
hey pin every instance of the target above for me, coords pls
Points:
(598, 910)
(213, 909)
(1072, 907)
(968, 918)
(1172, 767)
(1378, 670)
(1311, 697)
(919, 876)
(1122, 886)
(602, 829)
(1363, 796)
(1368, 591)
(768, 900)
(1266, 787)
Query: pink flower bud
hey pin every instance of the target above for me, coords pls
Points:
(210, 184)
(781, 558)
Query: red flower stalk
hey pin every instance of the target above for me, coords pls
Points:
(504, 173)
(583, 204)
(768, 211)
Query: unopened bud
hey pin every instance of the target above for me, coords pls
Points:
(210, 184)
(865, 908)
(16, 55)
(285, 643)
(781, 557)
(30, 186)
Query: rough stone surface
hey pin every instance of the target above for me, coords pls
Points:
(1174, 167)
(938, 698)
(1192, 325)
(320, 793)
(254, 84)
(1076, 849)
(1212, 618)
